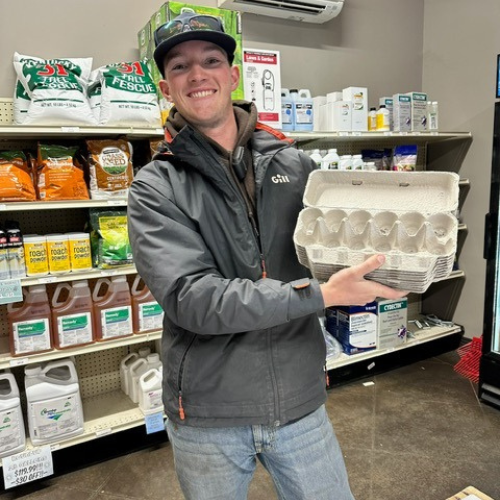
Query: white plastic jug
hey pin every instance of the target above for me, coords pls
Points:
(125, 365)
(54, 405)
(12, 434)
(137, 368)
(150, 392)
(303, 119)
(287, 111)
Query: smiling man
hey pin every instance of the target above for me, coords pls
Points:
(211, 223)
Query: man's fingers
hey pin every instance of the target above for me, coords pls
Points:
(369, 265)
(387, 292)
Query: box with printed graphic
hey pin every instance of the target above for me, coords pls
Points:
(169, 10)
(392, 322)
(262, 84)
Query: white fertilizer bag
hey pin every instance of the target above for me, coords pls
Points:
(94, 94)
(57, 88)
(22, 103)
(128, 96)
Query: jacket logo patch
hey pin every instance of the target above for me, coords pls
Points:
(280, 178)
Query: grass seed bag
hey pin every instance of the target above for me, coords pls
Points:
(57, 89)
(16, 183)
(128, 96)
(59, 176)
(110, 166)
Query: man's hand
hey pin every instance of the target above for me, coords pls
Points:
(349, 287)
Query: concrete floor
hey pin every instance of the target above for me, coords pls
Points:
(419, 432)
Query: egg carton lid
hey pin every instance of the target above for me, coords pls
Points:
(424, 192)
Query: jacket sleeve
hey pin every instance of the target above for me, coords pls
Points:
(179, 269)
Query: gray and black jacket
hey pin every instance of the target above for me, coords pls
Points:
(237, 348)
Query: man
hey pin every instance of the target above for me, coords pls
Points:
(211, 232)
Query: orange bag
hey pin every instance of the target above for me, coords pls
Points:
(16, 183)
(59, 176)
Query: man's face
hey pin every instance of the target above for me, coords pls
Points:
(199, 81)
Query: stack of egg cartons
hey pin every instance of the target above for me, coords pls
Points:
(410, 217)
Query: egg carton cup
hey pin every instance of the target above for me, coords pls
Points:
(407, 216)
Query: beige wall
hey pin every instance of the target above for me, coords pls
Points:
(377, 44)
(461, 42)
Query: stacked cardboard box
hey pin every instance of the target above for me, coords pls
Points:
(169, 10)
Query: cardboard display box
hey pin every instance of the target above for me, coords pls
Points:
(470, 493)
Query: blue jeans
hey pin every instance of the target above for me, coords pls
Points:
(303, 459)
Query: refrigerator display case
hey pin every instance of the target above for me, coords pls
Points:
(489, 370)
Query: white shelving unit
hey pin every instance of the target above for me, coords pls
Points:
(106, 409)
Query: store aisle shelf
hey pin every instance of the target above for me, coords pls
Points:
(60, 205)
(8, 361)
(84, 275)
(389, 136)
(417, 337)
(104, 414)
(26, 132)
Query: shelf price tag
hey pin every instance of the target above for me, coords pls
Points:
(10, 291)
(27, 466)
(71, 129)
(154, 423)
(117, 203)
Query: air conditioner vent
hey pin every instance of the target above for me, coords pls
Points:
(313, 11)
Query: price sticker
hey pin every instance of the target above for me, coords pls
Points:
(71, 130)
(27, 466)
(103, 432)
(357, 134)
(344, 134)
(388, 133)
(49, 279)
(3, 206)
(18, 361)
(117, 203)
(154, 423)
(10, 291)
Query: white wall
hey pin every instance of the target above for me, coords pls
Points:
(377, 44)
(461, 42)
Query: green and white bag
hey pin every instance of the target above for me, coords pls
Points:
(57, 89)
(128, 96)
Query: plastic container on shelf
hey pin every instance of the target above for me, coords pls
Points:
(316, 156)
(357, 162)
(30, 323)
(58, 253)
(303, 118)
(125, 365)
(35, 255)
(54, 405)
(79, 251)
(150, 392)
(331, 160)
(73, 316)
(12, 435)
(112, 308)
(147, 314)
(137, 368)
(383, 119)
(345, 162)
(287, 111)
(372, 119)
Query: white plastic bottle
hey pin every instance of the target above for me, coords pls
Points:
(331, 160)
(304, 111)
(137, 368)
(287, 111)
(383, 120)
(12, 435)
(125, 365)
(54, 405)
(345, 162)
(432, 115)
(316, 156)
(372, 119)
(150, 392)
(357, 162)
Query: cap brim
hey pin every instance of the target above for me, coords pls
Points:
(223, 40)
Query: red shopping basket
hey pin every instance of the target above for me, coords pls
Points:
(470, 355)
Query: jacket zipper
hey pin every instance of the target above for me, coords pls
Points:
(182, 414)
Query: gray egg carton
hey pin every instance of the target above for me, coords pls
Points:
(410, 217)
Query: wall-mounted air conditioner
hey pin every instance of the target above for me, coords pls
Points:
(309, 11)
